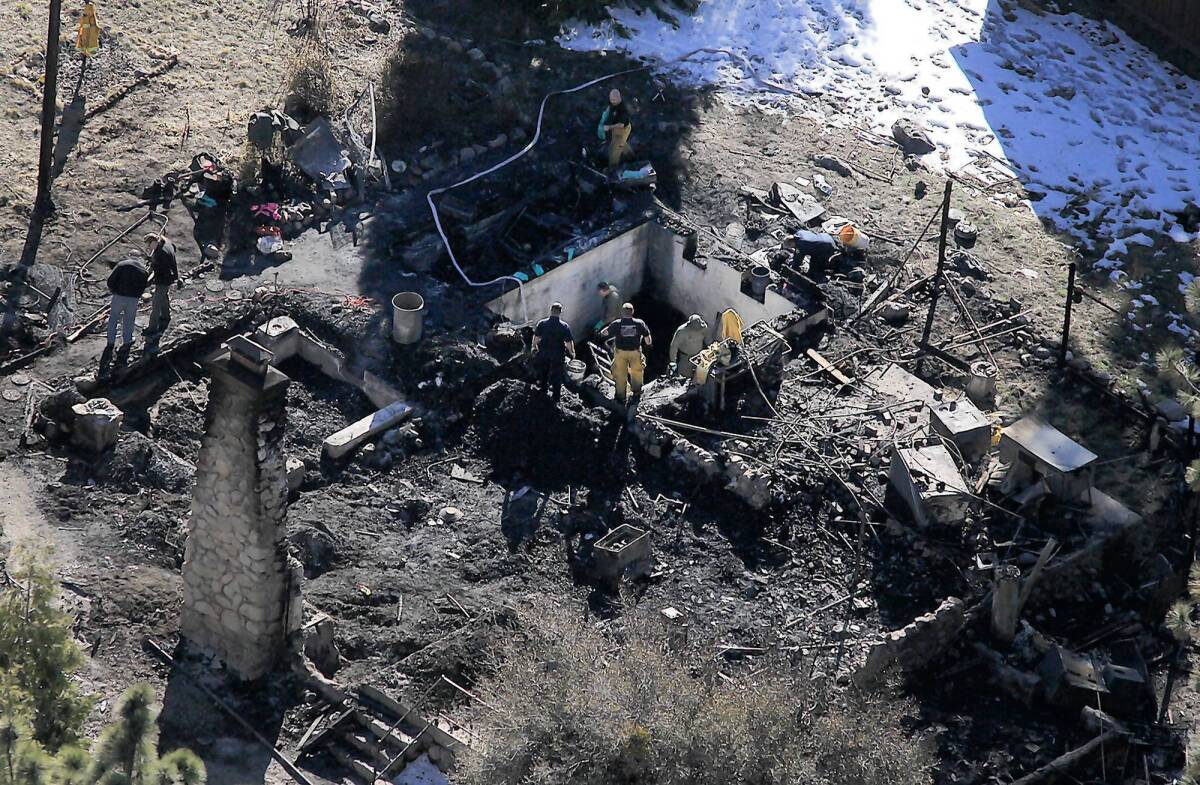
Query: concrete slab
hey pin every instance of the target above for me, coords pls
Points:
(1107, 511)
(350, 437)
(962, 423)
(929, 482)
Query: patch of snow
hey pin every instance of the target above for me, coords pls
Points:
(1079, 111)
(1180, 235)
(421, 772)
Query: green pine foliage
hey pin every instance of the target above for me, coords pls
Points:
(38, 656)
(1180, 371)
(73, 764)
(125, 754)
(129, 745)
(42, 708)
(181, 767)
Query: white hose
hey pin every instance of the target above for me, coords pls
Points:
(537, 134)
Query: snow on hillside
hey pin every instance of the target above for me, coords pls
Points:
(1086, 117)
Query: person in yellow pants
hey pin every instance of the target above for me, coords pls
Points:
(617, 124)
(628, 364)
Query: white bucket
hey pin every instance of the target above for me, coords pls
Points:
(576, 370)
(408, 317)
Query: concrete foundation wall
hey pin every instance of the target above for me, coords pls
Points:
(241, 591)
(704, 290)
(621, 261)
(647, 255)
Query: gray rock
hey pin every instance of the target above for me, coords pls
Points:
(895, 312)
(833, 164)
(1171, 409)
(97, 424)
(912, 138)
(378, 24)
(295, 474)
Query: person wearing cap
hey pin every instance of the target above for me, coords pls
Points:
(552, 342)
(164, 271)
(616, 124)
(611, 298)
(689, 340)
(628, 364)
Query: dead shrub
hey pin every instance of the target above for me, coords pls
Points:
(311, 91)
(572, 705)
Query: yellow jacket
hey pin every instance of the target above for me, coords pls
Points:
(88, 39)
(731, 326)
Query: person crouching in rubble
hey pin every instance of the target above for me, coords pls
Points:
(127, 282)
(616, 124)
(689, 340)
(552, 341)
(164, 271)
(815, 253)
(628, 364)
(811, 252)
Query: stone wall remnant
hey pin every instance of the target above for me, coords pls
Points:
(916, 645)
(241, 587)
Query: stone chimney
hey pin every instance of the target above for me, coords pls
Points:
(241, 587)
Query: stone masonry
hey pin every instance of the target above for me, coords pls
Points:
(241, 596)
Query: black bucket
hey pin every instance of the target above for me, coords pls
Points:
(760, 277)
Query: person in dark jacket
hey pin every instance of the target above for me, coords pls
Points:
(165, 271)
(615, 122)
(127, 282)
(611, 304)
(812, 252)
(552, 341)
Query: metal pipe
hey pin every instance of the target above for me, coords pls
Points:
(939, 276)
(1066, 331)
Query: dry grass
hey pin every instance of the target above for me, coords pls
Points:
(311, 86)
(571, 705)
